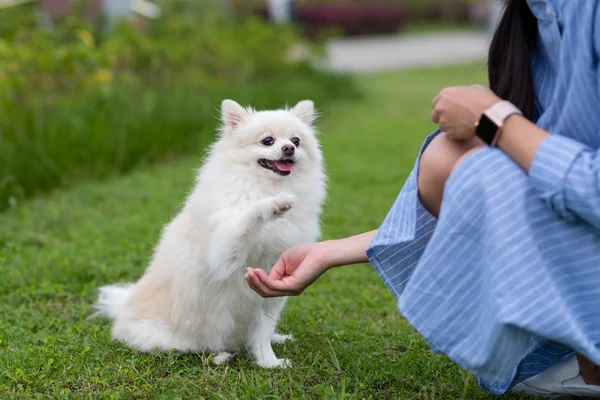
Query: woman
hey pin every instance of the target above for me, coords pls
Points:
(493, 245)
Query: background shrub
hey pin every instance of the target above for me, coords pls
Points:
(79, 102)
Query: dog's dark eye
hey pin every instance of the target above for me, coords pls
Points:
(296, 141)
(268, 141)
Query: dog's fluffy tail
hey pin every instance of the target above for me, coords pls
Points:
(112, 299)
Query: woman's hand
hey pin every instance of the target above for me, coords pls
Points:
(295, 270)
(300, 266)
(458, 109)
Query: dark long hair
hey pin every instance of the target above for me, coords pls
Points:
(509, 60)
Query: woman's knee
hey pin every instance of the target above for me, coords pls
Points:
(462, 158)
(436, 164)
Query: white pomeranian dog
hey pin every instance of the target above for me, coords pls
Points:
(259, 192)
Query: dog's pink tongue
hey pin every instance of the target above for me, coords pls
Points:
(284, 165)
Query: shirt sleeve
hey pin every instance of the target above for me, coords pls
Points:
(566, 175)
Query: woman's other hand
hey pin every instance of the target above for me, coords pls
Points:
(457, 110)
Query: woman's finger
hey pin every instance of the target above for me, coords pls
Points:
(256, 285)
(259, 287)
(251, 282)
(442, 124)
(435, 100)
(278, 270)
(279, 286)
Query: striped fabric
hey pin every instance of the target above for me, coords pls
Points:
(507, 281)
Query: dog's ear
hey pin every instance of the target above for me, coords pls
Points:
(232, 114)
(305, 110)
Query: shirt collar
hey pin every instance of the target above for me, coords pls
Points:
(543, 10)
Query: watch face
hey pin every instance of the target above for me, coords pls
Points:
(487, 129)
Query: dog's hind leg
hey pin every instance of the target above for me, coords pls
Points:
(222, 357)
(146, 335)
(279, 338)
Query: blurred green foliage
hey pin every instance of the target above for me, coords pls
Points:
(80, 101)
(13, 19)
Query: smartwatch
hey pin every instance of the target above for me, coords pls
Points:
(491, 122)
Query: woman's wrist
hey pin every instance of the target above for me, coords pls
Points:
(347, 251)
(520, 139)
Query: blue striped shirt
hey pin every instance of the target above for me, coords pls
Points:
(507, 281)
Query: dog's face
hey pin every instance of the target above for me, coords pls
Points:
(278, 143)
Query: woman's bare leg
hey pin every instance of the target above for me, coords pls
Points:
(438, 160)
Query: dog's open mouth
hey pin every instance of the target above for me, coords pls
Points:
(281, 167)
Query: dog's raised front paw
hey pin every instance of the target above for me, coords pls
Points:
(277, 205)
(276, 363)
(283, 203)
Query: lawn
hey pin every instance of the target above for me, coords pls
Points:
(351, 341)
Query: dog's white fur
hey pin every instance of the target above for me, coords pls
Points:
(193, 297)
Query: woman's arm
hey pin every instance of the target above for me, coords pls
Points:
(351, 250)
(520, 139)
(300, 266)
(565, 173)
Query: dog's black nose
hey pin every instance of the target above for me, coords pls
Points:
(288, 149)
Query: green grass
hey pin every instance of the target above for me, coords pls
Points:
(351, 340)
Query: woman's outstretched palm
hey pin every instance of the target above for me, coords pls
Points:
(295, 270)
